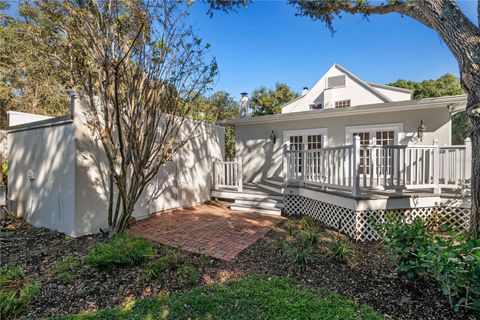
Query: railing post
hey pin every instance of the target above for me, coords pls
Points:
(468, 158)
(356, 166)
(285, 165)
(215, 175)
(240, 173)
(436, 167)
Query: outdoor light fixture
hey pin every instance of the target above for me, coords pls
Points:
(421, 129)
(273, 137)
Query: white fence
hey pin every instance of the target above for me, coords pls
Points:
(228, 175)
(399, 167)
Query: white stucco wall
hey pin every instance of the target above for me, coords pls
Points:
(16, 118)
(354, 90)
(182, 182)
(262, 159)
(41, 175)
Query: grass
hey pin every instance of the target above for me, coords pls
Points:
(122, 249)
(65, 269)
(257, 297)
(15, 292)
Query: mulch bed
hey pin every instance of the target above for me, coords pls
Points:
(372, 281)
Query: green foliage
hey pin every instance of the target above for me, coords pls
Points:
(404, 242)
(65, 269)
(446, 85)
(341, 250)
(308, 236)
(269, 101)
(452, 260)
(121, 249)
(15, 292)
(290, 226)
(298, 256)
(307, 222)
(257, 297)
(7, 234)
(187, 275)
(156, 269)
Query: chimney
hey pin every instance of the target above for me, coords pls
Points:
(244, 105)
(304, 91)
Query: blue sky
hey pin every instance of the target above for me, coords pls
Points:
(266, 43)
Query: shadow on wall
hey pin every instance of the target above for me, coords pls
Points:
(42, 175)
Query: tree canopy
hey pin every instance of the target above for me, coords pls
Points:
(269, 101)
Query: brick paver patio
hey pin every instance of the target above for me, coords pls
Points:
(209, 229)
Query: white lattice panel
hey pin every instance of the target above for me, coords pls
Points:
(357, 224)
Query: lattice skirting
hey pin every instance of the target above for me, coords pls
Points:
(356, 224)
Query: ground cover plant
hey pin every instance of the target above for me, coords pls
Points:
(15, 292)
(450, 258)
(122, 249)
(372, 281)
(257, 297)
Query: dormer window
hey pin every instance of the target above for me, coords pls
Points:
(342, 103)
(336, 82)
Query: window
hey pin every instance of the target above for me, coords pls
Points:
(314, 141)
(342, 103)
(335, 82)
(316, 106)
(364, 166)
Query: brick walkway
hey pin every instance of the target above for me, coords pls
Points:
(209, 229)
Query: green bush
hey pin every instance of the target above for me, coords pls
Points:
(298, 257)
(289, 226)
(187, 275)
(404, 242)
(15, 292)
(122, 249)
(341, 250)
(450, 259)
(156, 269)
(65, 269)
(308, 222)
(308, 237)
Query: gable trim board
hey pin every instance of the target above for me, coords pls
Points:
(454, 104)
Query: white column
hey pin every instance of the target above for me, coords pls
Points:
(240, 174)
(356, 166)
(468, 158)
(436, 168)
(215, 175)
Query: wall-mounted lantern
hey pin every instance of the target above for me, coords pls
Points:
(421, 129)
(273, 137)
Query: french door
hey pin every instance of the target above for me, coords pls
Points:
(300, 140)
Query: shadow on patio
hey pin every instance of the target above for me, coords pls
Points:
(210, 229)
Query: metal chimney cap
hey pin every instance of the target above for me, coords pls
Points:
(305, 88)
(244, 94)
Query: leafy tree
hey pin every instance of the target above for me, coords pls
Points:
(221, 106)
(446, 85)
(460, 34)
(34, 62)
(270, 101)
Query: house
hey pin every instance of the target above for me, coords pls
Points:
(58, 172)
(348, 149)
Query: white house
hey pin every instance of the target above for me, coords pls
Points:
(352, 147)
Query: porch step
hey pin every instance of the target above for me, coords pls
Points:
(270, 186)
(276, 181)
(266, 203)
(257, 209)
(245, 195)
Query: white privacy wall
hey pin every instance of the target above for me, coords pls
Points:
(58, 175)
(185, 181)
(41, 177)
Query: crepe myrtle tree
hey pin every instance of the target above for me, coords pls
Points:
(460, 34)
(140, 69)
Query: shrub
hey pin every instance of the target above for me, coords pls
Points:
(297, 256)
(289, 226)
(65, 269)
(15, 292)
(452, 260)
(404, 242)
(121, 249)
(341, 250)
(308, 222)
(187, 275)
(308, 237)
(156, 269)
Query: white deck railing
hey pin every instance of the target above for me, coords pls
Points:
(228, 175)
(355, 167)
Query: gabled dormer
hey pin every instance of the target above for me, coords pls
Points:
(339, 88)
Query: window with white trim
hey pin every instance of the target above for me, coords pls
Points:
(342, 103)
